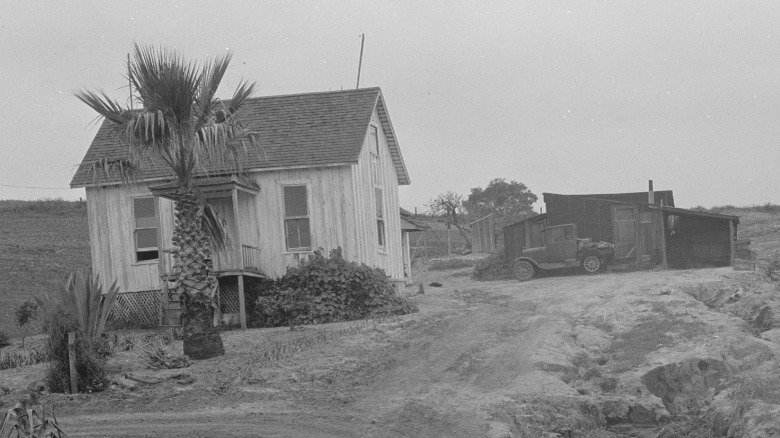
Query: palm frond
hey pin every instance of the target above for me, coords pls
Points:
(104, 105)
(165, 81)
(210, 79)
(105, 166)
(244, 91)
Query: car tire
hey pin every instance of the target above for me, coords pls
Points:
(592, 263)
(523, 270)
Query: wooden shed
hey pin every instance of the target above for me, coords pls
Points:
(645, 227)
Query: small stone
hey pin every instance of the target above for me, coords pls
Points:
(666, 291)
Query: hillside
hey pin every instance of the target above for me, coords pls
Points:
(40, 242)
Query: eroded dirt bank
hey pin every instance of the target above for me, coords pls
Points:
(631, 354)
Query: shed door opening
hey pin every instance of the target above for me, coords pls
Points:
(696, 242)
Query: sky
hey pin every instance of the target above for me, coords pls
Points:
(568, 97)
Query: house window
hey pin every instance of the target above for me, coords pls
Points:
(380, 217)
(375, 167)
(145, 229)
(296, 219)
(374, 142)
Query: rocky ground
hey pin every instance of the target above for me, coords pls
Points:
(649, 354)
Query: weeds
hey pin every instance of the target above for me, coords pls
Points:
(450, 264)
(751, 386)
(13, 358)
(155, 356)
(4, 340)
(281, 349)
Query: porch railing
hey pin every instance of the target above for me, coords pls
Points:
(251, 257)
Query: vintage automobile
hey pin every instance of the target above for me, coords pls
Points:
(562, 249)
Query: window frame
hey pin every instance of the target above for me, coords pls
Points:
(285, 218)
(375, 147)
(379, 211)
(136, 228)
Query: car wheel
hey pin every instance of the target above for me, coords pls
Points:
(592, 263)
(523, 270)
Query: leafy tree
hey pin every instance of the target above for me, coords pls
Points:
(26, 314)
(509, 202)
(191, 131)
(449, 206)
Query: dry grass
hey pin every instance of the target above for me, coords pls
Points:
(12, 357)
(756, 386)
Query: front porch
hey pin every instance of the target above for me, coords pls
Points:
(233, 198)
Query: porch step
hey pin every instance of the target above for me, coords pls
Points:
(172, 312)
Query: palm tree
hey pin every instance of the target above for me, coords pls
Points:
(182, 122)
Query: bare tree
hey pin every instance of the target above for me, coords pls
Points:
(449, 206)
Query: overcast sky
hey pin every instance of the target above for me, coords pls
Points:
(566, 97)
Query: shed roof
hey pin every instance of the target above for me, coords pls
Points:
(667, 196)
(300, 130)
(698, 213)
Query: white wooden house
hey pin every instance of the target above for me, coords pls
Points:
(325, 174)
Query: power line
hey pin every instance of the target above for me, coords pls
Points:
(32, 187)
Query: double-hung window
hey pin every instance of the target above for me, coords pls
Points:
(145, 229)
(296, 218)
(380, 217)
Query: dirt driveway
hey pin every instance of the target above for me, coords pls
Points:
(493, 359)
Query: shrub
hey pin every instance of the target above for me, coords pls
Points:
(90, 366)
(329, 289)
(83, 299)
(493, 267)
(79, 306)
(4, 340)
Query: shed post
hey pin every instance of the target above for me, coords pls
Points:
(732, 242)
(241, 302)
(160, 263)
(663, 239)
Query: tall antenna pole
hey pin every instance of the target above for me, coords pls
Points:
(129, 82)
(360, 64)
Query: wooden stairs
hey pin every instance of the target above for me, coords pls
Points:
(171, 311)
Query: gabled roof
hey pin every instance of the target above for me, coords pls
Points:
(301, 130)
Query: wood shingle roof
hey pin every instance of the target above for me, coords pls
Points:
(302, 130)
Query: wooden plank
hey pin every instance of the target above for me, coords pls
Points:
(74, 387)
(237, 230)
(732, 243)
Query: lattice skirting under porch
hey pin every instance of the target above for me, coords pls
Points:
(137, 308)
(228, 297)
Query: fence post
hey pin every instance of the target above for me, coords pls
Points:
(74, 389)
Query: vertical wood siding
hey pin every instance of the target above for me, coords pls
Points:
(111, 226)
(341, 207)
(389, 258)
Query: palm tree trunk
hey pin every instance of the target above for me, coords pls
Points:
(196, 282)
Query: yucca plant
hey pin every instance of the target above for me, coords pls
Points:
(183, 123)
(83, 298)
(28, 419)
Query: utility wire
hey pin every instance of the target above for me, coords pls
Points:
(32, 187)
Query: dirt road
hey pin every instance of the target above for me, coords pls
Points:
(496, 359)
